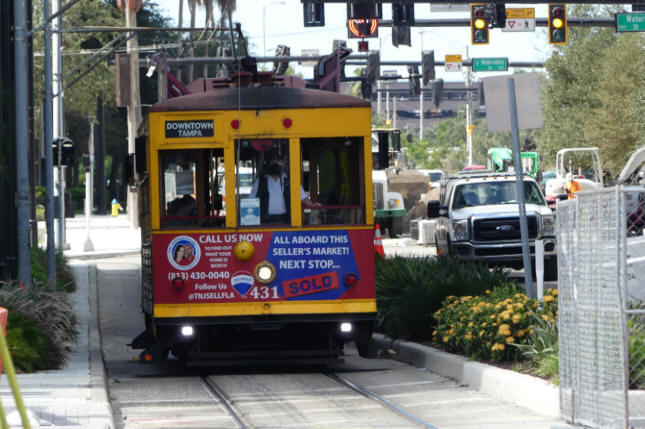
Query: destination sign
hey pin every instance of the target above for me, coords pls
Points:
(179, 129)
(630, 21)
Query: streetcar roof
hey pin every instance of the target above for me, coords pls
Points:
(259, 98)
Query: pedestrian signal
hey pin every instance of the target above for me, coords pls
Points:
(558, 24)
(362, 28)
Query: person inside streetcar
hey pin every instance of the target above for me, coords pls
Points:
(272, 189)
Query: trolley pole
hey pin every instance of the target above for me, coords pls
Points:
(22, 144)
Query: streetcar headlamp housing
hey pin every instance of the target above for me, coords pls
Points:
(264, 272)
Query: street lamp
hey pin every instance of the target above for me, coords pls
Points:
(264, 23)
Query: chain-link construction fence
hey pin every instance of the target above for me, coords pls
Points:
(601, 320)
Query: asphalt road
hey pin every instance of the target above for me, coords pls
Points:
(170, 396)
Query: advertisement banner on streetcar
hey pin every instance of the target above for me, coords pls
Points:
(309, 265)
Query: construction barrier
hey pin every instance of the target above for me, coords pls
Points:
(378, 242)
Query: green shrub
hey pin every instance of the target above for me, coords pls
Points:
(409, 290)
(30, 349)
(541, 346)
(40, 329)
(64, 275)
(485, 326)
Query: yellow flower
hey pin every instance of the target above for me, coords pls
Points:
(468, 336)
(451, 331)
(493, 316)
(531, 330)
(554, 292)
(519, 306)
(446, 339)
(483, 324)
(521, 333)
(517, 318)
(545, 317)
(510, 339)
(498, 346)
(434, 333)
(494, 324)
(548, 298)
(487, 292)
(470, 324)
(481, 333)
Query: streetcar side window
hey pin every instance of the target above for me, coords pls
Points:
(189, 187)
(262, 182)
(335, 178)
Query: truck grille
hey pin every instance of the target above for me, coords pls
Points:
(502, 229)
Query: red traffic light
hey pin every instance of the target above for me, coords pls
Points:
(363, 46)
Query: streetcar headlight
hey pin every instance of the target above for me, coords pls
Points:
(346, 327)
(187, 331)
(264, 272)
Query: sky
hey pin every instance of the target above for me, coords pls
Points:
(283, 24)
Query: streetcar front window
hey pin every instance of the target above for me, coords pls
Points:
(262, 184)
(190, 187)
(336, 179)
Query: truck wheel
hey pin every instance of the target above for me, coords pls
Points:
(551, 269)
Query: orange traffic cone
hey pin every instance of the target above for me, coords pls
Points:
(378, 243)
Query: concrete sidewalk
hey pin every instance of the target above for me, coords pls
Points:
(75, 396)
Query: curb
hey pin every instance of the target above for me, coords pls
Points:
(102, 255)
(524, 390)
(98, 377)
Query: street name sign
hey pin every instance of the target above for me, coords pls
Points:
(630, 21)
(520, 20)
(453, 63)
(490, 64)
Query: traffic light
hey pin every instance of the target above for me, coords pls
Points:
(403, 14)
(427, 67)
(401, 35)
(413, 80)
(480, 91)
(364, 10)
(437, 92)
(313, 13)
(558, 24)
(373, 69)
(499, 16)
(363, 46)
(67, 151)
(478, 24)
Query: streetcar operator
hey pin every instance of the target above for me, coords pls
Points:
(273, 191)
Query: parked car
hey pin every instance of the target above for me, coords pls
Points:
(477, 219)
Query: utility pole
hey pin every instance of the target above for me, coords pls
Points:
(88, 246)
(130, 8)
(387, 103)
(469, 121)
(22, 145)
(57, 116)
(394, 113)
(378, 98)
(49, 154)
(421, 95)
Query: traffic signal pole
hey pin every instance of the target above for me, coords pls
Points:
(22, 141)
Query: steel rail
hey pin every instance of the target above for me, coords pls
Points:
(212, 387)
(381, 400)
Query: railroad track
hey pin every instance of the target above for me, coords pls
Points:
(238, 416)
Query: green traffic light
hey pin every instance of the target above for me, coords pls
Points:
(558, 36)
(480, 36)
